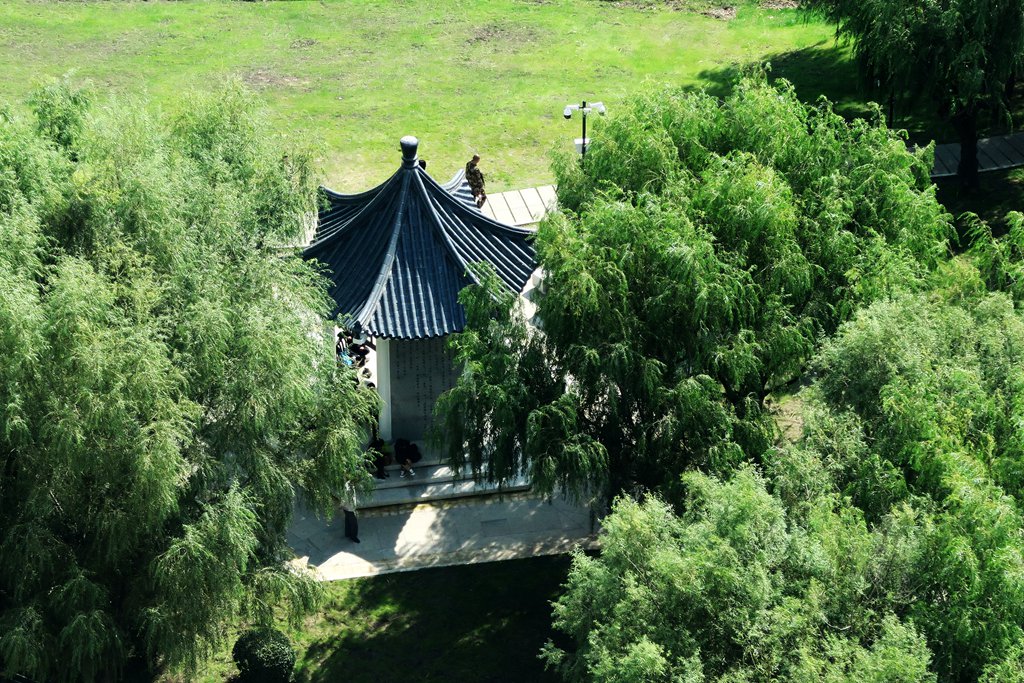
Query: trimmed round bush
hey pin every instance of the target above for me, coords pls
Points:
(264, 655)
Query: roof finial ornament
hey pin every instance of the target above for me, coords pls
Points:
(409, 145)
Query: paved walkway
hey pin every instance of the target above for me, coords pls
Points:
(1005, 151)
(440, 534)
(520, 207)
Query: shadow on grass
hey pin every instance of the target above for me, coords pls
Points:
(1000, 192)
(820, 69)
(482, 622)
(828, 69)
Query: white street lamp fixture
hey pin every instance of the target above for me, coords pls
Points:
(585, 109)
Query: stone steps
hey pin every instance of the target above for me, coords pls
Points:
(427, 491)
(423, 474)
(434, 480)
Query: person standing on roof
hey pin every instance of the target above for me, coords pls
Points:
(475, 178)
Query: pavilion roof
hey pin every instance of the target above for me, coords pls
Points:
(397, 255)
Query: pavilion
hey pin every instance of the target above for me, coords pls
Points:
(397, 257)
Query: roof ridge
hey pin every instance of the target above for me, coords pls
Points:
(491, 223)
(389, 256)
(443, 234)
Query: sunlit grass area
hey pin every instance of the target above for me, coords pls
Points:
(351, 77)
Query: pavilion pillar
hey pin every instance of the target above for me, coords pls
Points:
(384, 386)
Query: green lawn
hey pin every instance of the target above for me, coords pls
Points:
(353, 76)
(471, 624)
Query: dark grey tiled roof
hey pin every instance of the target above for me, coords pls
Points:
(397, 254)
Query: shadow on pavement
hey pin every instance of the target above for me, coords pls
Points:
(456, 532)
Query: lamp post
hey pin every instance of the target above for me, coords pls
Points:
(584, 109)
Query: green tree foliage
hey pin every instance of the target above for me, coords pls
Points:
(999, 259)
(928, 394)
(167, 383)
(740, 589)
(886, 545)
(1006, 670)
(700, 255)
(959, 54)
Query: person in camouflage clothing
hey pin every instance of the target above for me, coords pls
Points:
(475, 178)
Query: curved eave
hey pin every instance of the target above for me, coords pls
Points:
(459, 188)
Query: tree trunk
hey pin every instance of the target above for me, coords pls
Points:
(966, 124)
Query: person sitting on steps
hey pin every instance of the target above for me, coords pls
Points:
(406, 454)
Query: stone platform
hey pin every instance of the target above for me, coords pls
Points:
(441, 534)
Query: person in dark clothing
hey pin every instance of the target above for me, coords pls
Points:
(359, 350)
(351, 526)
(381, 457)
(406, 455)
(475, 178)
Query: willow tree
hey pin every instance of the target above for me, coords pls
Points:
(167, 383)
(698, 258)
(740, 588)
(885, 545)
(922, 407)
(962, 56)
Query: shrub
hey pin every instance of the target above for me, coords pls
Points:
(264, 656)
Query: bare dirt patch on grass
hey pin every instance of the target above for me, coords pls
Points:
(724, 13)
(122, 44)
(779, 4)
(264, 78)
(502, 33)
(674, 5)
(499, 38)
(720, 13)
(303, 43)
